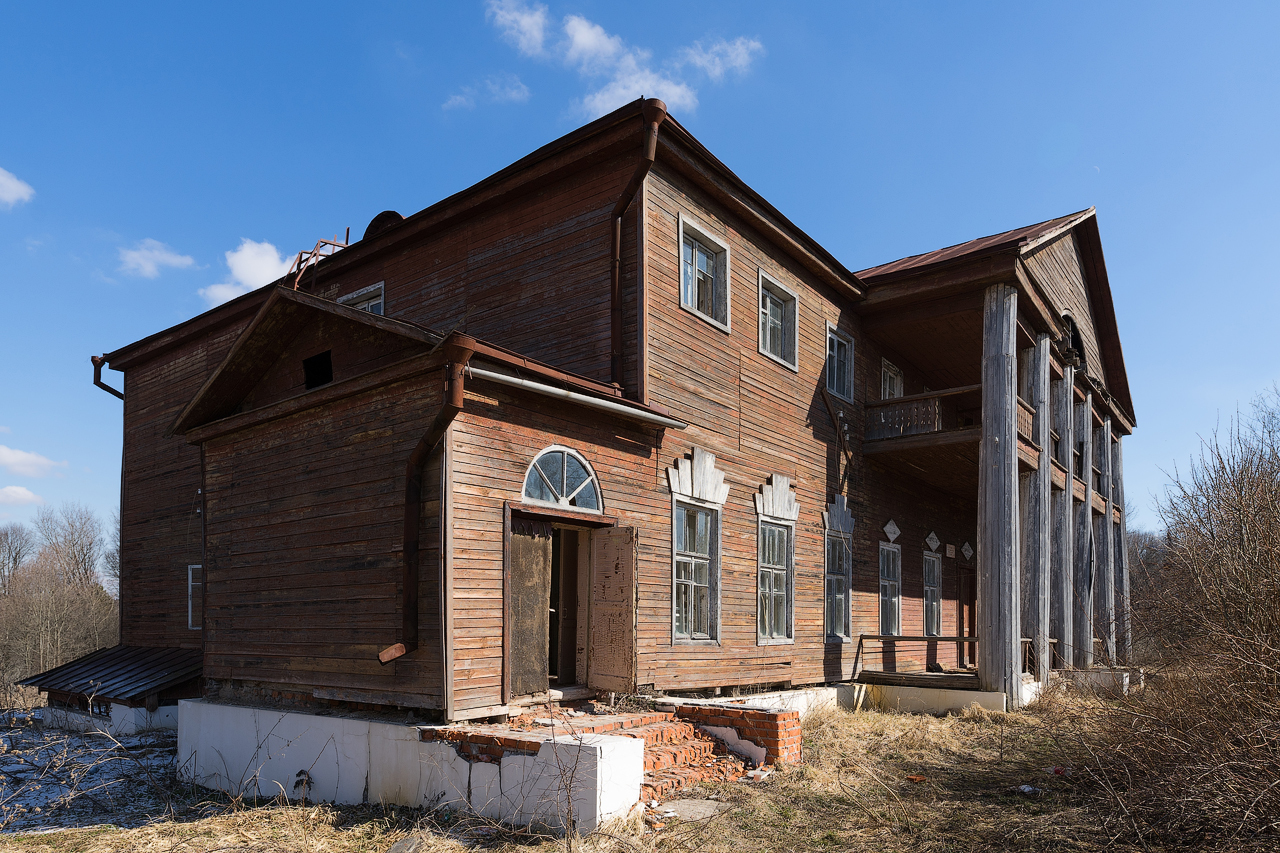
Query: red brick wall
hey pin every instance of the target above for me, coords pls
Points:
(777, 731)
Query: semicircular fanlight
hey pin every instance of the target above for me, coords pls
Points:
(560, 477)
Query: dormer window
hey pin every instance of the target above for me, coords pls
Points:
(365, 299)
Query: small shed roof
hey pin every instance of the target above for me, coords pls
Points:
(126, 674)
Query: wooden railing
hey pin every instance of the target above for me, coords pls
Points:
(917, 414)
(1026, 421)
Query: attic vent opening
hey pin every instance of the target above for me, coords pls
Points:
(318, 369)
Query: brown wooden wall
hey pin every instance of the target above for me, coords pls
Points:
(160, 506)
(1056, 266)
(305, 537)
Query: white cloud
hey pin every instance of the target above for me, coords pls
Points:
(499, 89)
(632, 79)
(18, 496)
(722, 57)
(252, 265)
(589, 47)
(149, 256)
(26, 464)
(5, 429)
(14, 190)
(524, 25)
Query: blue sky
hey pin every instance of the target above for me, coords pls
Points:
(159, 157)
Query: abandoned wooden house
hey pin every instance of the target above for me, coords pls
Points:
(608, 421)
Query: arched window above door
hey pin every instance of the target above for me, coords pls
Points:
(560, 477)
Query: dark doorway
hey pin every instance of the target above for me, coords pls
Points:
(562, 636)
(544, 606)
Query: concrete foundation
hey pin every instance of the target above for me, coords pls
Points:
(123, 721)
(932, 700)
(582, 781)
(1111, 683)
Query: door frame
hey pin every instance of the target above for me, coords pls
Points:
(550, 515)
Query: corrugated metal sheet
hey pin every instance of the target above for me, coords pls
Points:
(125, 674)
(973, 248)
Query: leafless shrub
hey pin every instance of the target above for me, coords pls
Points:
(71, 537)
(1196, 755)
(17, 545)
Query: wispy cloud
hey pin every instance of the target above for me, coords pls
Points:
(5, 429)
(18, 496)
(615, 71)
(14, 190)
(252, 265)
(26, 464)
(523, 25)
(146, 259)
(499, 89)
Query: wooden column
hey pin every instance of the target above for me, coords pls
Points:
(1082, 585)
(1062, 567)
(1123, 637)
(1106, 570)
(999, 629)
(1036, 514)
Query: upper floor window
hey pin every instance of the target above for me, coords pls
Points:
(704, 273)
(560, 477)
(890, 380)
(839, 363)
(365, 299)
(778, 319)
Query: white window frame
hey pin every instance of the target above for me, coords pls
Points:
(845, 574)
(563, 502)
(932, 605)
(364, 297)
(704, 235)
(713, 571)
(789, 634)
(847, 393)
(896, 584)
(890, 380)
(192, 583)
(767, 284)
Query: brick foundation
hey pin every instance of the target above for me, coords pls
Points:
(776, 730)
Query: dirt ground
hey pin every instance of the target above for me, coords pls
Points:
(868, 781)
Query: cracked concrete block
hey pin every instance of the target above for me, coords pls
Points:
(446, 776)
(486, 790)
(395, 765)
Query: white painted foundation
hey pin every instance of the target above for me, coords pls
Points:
(1111, 683)
(260, 752)
(123, 721)
(802, 699)
(931, 700)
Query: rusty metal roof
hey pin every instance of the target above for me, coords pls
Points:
(996, 243)
(125, 674)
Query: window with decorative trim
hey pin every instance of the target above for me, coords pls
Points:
(560, 477)
(776, 578)
(932, 594)
(698, 492)
(779, 310)
(838, 522)
(365, 299)
(890, 589)
(890, 380)
(704, 273)
(839, 363)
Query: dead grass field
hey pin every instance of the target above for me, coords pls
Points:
(869, 781)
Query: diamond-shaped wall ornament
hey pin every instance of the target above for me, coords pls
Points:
(967, 550)
(933, 541)
(891, 530)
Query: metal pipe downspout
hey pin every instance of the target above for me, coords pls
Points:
(98, 361)
(581, 399)
(655, 112)
(458, 350)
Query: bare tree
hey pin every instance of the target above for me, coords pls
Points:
(111, 557)
(17, 545)
(72, 535)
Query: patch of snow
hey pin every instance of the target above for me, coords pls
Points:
(736, 743)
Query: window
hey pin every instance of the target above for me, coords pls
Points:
(778, 320)
(774, 613)
(839, 570)
(890, 589)
(932, 594)
(560, 477)
(195, 597)
(890, 380)
(317, 370)
(839, 363)
(365, 299)
(697, 569)
(704, 274)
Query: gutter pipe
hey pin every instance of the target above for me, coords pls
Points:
(580, 399)
(655, 112)
(98, 361)
(458, 350)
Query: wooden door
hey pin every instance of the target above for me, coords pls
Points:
(611, 659)
(528, 606)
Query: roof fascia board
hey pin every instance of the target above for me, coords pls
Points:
(910, 286)
(1037, 301)
(1054, 233)
(1090, 242)
(679, 150)
(135, 353)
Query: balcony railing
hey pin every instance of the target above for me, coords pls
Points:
(922, 414)
(1026, 421)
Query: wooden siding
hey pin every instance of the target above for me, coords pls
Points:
(1056, 266)
(305, 522)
